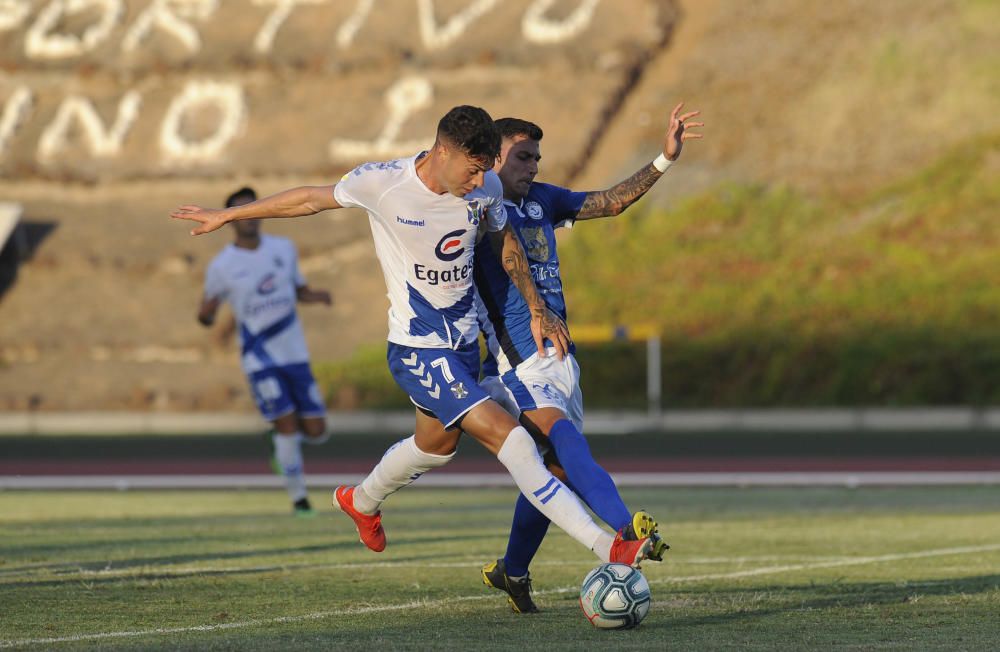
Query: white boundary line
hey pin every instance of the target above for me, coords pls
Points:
(416, 604)
(69, 573)
(667, 479)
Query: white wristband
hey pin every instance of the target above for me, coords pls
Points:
(661, 163)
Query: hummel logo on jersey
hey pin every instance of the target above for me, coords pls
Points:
(450, 246)
(278, 262)
(409, 222)
(381, 165)
(459, 391)
(427, 381)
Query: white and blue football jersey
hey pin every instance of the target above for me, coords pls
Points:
(504, 315)
(260, 285)
(425, 243)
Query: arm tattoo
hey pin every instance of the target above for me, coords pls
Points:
(616, 199)
(516, 264)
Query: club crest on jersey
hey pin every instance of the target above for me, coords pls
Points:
(534, 210)
(267, 285)
(278, 262)
(458, 389)
(450, 246)
(476, 212)
(536, 245)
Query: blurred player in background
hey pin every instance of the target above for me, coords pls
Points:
(545, 391)
(259, 276)
(426, 213)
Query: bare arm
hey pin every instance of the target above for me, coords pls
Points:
(207, 311)
(544, 322)
(297, 202)
(616, 199)
(306, 294)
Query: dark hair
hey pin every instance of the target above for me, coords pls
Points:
(471, 129)
(242, 193)
(510, 127)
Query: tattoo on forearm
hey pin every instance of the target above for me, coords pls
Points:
(616, 199)
(516, 264)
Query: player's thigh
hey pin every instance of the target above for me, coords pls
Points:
(489, 424)
(432, 437)
(272, 394)
(498, 392)
(540, 420)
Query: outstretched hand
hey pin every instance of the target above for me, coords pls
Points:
(209, 219)
(678, 132)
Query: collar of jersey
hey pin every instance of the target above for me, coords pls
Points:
(519, 207)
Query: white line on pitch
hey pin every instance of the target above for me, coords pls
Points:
(69, 573)
(857, 561)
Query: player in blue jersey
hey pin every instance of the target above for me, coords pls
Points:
(426, 213)
(259, 276)
(543, 389)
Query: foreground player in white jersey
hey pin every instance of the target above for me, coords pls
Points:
(425, 213)
(544, 390)
(259, 276)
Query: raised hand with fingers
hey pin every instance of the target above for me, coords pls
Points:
(677, 131)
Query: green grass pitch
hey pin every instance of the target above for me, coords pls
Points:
(864, 569)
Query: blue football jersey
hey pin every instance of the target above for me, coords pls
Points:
(503, 315)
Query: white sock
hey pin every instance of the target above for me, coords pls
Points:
(548, 495)
(288, 451)
(403, 463)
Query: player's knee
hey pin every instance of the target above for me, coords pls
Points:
(314, 427)
(315, 430)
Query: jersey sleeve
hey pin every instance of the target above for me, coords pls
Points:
(215, 283)
(361, 187)
(496, 214)
(351, 191)
(565, 206)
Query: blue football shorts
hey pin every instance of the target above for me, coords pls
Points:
(442, 382)
(286, 389)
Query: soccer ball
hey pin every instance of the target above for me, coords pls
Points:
(615, 596)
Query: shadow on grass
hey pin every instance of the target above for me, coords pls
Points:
(72, 568)
(832, 595)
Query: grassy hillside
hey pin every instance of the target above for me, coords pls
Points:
(765, 295)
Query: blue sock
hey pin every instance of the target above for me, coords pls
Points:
(526, 534)
(591, 482)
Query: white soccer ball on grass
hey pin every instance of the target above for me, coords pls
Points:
(615, 596)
